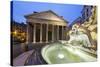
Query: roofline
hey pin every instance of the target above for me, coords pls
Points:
(44, 12)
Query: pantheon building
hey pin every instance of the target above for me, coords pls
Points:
(45, 27)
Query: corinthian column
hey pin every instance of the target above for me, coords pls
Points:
(52, 33)
(40, 33)
(34, 33)
(57, 32)
(47, 33)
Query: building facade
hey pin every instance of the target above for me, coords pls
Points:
(18, 32)
(90, 26)
(86, 13)
(45, 27)
(20, 27)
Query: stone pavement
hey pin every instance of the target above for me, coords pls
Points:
(21, 59)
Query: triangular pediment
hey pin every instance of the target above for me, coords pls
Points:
(48, 15)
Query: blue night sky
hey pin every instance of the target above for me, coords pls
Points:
(68, 11)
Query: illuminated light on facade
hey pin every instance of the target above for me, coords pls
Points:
(15, 33)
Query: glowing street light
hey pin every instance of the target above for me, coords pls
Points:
(15, 32)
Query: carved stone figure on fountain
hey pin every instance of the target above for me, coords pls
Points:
(78, 38)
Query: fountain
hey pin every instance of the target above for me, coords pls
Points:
(61, 52)
(57, 54)
(78, 38)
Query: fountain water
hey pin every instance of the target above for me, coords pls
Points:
(61, 56)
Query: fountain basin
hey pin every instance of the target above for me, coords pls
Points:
(58, 53)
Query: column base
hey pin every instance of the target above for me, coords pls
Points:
(52, 41)
(33, 42)
(41, 42)
(47, 42)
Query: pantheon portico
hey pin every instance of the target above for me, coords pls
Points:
(45, 27)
